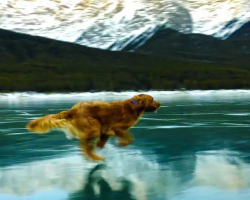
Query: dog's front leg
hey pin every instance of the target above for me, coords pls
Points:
(124, 138)
(102, 140)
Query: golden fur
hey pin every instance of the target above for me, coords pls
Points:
(97, 120)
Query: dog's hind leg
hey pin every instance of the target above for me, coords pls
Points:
(88, 148)
(88, 130)
(102, 140)
(88, 133)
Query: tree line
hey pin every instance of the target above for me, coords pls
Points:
(31, 63)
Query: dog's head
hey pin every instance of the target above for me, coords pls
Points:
(145, 103)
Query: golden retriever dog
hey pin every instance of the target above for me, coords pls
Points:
(99, 120)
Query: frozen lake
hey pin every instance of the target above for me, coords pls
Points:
(196, 147)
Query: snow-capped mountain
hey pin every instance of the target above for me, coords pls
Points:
(109, 23)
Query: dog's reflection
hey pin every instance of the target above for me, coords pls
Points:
(94, 180)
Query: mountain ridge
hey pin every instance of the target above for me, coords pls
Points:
(101, 23)
(168, 42)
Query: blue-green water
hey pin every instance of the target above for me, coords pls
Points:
(196, 147)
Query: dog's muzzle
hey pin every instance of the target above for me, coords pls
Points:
(153, 107)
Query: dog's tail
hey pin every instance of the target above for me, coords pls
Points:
(48, 122)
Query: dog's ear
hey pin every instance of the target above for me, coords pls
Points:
(142, 101)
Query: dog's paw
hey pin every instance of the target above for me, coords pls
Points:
(124, 143)
(96, 157)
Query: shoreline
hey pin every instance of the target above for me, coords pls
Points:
(123, 93)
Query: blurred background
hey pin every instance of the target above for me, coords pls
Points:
(114, 23)
(153, 45)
